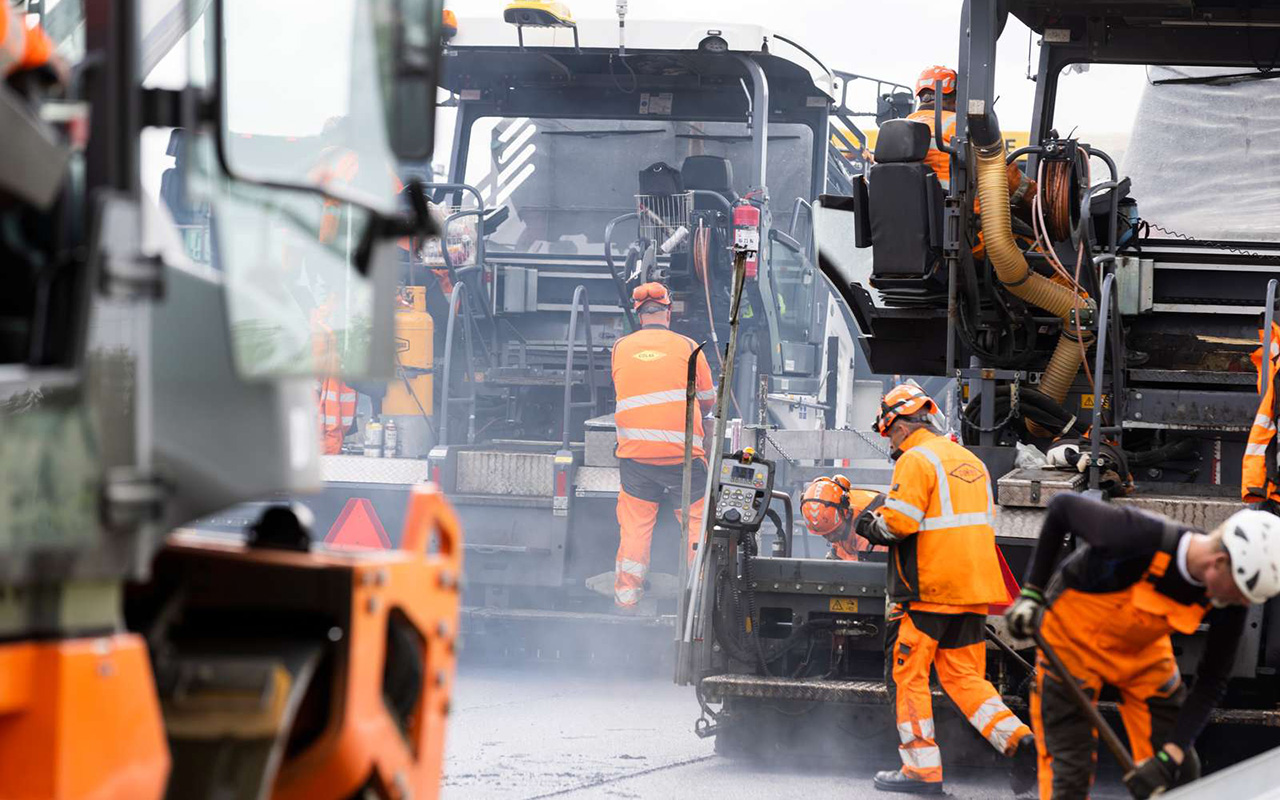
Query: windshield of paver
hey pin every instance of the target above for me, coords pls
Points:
(564, 179)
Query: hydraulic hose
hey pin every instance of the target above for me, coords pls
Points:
(1015, 274)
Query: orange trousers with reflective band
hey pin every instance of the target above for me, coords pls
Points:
(643, 487)
(925, 636)
(1103, 640)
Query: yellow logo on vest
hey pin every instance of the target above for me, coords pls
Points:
(649, 355)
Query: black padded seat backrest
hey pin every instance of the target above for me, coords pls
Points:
(710, 173)
(905, 201)
(902, 141)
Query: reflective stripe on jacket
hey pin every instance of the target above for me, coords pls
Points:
(939, 161)
(650, 371)
(1258, 471)
(940, 505)
(1021, 188)
(337, 413)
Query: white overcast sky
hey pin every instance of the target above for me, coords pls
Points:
(891, 39)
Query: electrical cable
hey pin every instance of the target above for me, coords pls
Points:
(635, 80)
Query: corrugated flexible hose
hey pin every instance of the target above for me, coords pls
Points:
(1015, 275)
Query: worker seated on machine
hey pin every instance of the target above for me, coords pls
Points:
(829, 506)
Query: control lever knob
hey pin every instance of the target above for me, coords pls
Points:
(732, 515)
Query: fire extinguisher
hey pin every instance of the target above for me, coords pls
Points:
(746, 233)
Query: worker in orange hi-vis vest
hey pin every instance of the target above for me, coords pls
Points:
(829, 506)
(337, 400)
(650, 373)
(943, 573)
(1260, 470)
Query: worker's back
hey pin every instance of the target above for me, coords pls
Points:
(937, 160)
(650, 376)
(952, 557)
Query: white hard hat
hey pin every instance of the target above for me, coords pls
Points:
(1252, 539)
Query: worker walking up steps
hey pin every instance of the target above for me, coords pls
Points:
(650, 370)
(1108, 610)
(943, 573)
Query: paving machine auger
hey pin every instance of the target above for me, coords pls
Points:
(1107, 321)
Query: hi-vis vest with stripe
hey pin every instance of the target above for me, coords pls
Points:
(938, 160)
(941, 504)
(1261, 465)
(650, 372)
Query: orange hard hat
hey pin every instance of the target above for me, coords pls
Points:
(929, 77)
(828, 504)
(825, 505)
(650, 293)
(903, 400)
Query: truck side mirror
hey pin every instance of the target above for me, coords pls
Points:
(326, 95)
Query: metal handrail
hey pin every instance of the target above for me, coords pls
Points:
(619, 282)
(1095, 433)
(937, 121)
(583, 304)
(1267, 379)
(458, 299)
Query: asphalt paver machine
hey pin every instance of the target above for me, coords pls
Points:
(580, 169)
(1116, 312)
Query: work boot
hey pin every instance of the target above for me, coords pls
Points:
(895, 781)
(645, 607)
(1022, 770)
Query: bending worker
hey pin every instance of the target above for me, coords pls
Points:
(829, 506)
(943, 573)
(650, 373)
(1108, 613)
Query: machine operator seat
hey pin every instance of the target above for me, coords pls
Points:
(905, 203)
(709, 173)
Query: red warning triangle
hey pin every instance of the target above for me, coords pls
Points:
(1010, 585)
(358, 526)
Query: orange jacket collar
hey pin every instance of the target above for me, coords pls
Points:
(917, 438)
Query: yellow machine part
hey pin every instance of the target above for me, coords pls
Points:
(414, 331)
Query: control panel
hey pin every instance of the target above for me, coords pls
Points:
(743, 490)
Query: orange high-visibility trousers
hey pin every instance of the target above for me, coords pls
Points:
(1102, 641)
(921, 636)
(643, 486)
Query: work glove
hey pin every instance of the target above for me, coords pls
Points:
(1152, 776)
(1023, 617)
(1066, 455)
(867, 524)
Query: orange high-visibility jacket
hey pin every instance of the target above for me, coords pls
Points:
(941, 505)
(1259, 468)
(650, 373)
(337, 400)
(21, 47)
(938, 160)
(1020, 185)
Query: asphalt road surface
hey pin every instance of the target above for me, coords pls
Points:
(520, 734)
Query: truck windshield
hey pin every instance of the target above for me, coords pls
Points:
(562, 180)
(1203, 156)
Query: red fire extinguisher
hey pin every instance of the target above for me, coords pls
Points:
(746, 233)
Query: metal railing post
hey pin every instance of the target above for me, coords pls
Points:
(1269, 315)
(581, 302)
(1097, 420)
(458, 300)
